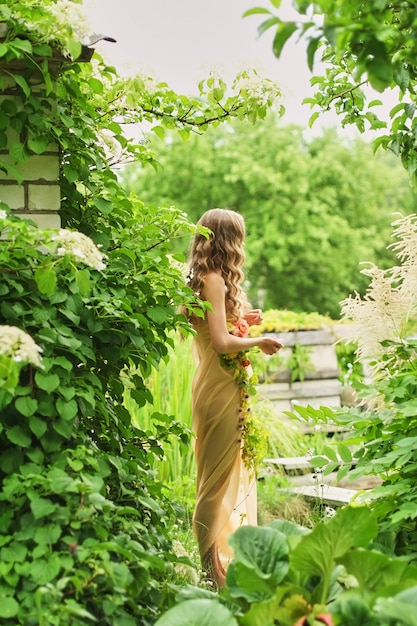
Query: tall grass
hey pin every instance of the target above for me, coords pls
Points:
(170, 386)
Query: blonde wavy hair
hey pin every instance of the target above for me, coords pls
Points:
(222, 251)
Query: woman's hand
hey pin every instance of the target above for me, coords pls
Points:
(254, 317)
(270, 345)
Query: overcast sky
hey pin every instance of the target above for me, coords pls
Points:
(180, 41)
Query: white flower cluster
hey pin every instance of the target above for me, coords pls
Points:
(19, 346)
(390, 299)
(80, 247)
(252, 86)
(110, 145)
(3, 214)
(67, 22)
(68, 13)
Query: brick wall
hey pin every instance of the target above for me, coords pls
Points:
(38, 196)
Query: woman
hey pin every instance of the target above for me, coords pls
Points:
(226, 492)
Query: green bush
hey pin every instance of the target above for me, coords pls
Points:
(286, 574)
(84, 523)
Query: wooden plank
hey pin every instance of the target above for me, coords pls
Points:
(334, 496)
(291, 463)
(324, 428)
(299, 462)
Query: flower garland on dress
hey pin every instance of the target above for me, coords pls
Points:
(253, 436)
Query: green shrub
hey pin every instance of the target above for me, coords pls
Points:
(84, 524)
(286, 574)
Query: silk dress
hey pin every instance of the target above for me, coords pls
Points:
(226, 491)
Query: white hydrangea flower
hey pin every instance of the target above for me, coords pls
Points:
(68, 13)
(19, 346)
(80, 247)
(67, 22)
(3, 214)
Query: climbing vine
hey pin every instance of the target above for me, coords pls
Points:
(84, 526)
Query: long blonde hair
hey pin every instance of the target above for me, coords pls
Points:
(223, 251)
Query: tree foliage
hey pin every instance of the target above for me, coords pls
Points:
(361, 44)
(83, 522)
(314, 208)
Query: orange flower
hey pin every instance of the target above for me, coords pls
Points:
(241, 328)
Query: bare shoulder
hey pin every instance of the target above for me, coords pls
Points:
(213, 279)
(214, 286)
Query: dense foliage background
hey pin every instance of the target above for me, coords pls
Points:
(307, 202)
(85, 527)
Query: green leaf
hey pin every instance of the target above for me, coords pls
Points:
(257, 11)
(47, 382)
(26, 405)
(198, 612)
(375, 571)
(311, 51)
(66, 409)
(19, 80)
(83, 281)
(344, 453)
(63, 427)
(260, 562)
(329, 451)
(13, 553)
(8, 607)
(159, 131)
(283, 33)
(319, 461)
(37, 425)
(267, 24)
(41, 507)
(23, 45)
(43, 571)
(350, 528)
(184, 133)
(17, 152)
(48, 534)
(157, 314)
(313, 118)
(103, 205)
(74, 48)
(73, 608)
(95, 84)
(39, 144)
(379, 73)
(46, 280)
(5, 12)
(264, 612)
(402, 608)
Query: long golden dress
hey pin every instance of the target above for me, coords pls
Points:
(226, 492)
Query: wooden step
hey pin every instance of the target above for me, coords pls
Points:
(291, 463)
(333, 496)
(299, 462)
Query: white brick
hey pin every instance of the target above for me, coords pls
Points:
(43, 220)
(44, 197)
(40, 167)
(13, 196)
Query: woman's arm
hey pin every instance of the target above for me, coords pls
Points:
(223, 342)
